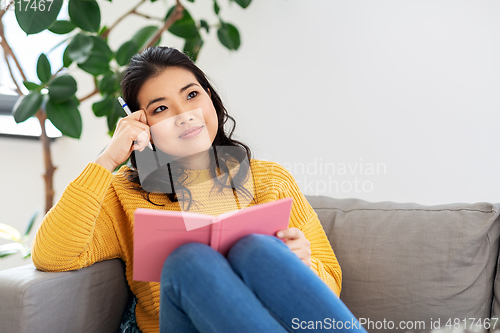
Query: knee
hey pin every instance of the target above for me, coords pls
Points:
(186, 259)
(256, 243)
(255, 246)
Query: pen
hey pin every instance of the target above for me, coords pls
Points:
(128, 112)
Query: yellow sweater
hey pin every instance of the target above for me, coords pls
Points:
(93, 221)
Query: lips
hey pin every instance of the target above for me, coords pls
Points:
(190, 130)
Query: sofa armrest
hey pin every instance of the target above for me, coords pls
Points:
(91, 299)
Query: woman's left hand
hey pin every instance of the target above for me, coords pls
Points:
(298, 243)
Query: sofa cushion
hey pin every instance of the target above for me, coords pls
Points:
(406, 262)
(91, 299)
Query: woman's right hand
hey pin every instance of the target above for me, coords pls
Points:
(132, 133)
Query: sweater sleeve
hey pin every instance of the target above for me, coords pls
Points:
(323, 260)
(78, 230)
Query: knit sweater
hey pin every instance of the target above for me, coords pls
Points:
(94, 221)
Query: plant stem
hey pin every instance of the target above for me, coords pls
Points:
(89, 95)
(49, 167)
(106, 33)
(8, 51)
(2, 12)
(147, 16)
(18, 89)
(177, 14)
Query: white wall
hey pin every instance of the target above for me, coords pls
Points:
(388, 100)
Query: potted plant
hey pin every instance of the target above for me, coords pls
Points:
(53, 97)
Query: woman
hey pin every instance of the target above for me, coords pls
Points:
(264, 285)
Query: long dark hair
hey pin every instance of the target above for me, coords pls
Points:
(168, 178)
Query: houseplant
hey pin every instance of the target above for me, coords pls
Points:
(88, 50)
(18, 241)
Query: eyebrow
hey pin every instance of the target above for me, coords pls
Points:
(188, 86)
(154, 101)
(163, 98)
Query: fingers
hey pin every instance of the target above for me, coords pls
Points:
(297, 243)
(142, 140)
(290, 233)
(140, 116)
(294, 238)
(301, 250)
(136, 119)
(135, 128)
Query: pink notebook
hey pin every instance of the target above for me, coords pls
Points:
(157, 233)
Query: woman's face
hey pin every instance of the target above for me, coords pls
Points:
(174, 102)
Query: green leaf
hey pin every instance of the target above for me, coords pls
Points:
(104, 106)
(9, 233)
(229, 36)
(216, 7)
(27, 106)
(36, 16)
(190, 0)
(62, 88)
(185, 27)
(97, 62)
(103, 30)
(62, 27)
(96, 65)
(115, 114)
(117, 109)
(125, 52)
(11, 248)
(142, 36)
(65, 117)
(101, 47)
(43, 69)
(108, 84)
(192, 47)
(204, 24)
(243, 3)
(62, 41)
(85, 14)
(80, 48)
(31, 222)
(31, 85)
(66, 59)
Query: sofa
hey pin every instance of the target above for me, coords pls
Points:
(406, 267)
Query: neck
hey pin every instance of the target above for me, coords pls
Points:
(198, 161)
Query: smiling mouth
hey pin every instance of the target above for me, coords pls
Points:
(193, 131)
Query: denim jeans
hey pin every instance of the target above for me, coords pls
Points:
(261, 287)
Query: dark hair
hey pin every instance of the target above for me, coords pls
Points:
(167, 179)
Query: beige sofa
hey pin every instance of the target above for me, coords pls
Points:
(405, 266)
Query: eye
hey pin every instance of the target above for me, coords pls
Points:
(160, 109)
(192, 94)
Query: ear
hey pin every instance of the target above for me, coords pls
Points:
(209, 93)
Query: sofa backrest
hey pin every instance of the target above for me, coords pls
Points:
(413, 264)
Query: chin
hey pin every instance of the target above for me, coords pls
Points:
(186, 153)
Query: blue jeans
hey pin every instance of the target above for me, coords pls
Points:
(261, 287)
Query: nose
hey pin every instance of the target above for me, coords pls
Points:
(183, 118)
